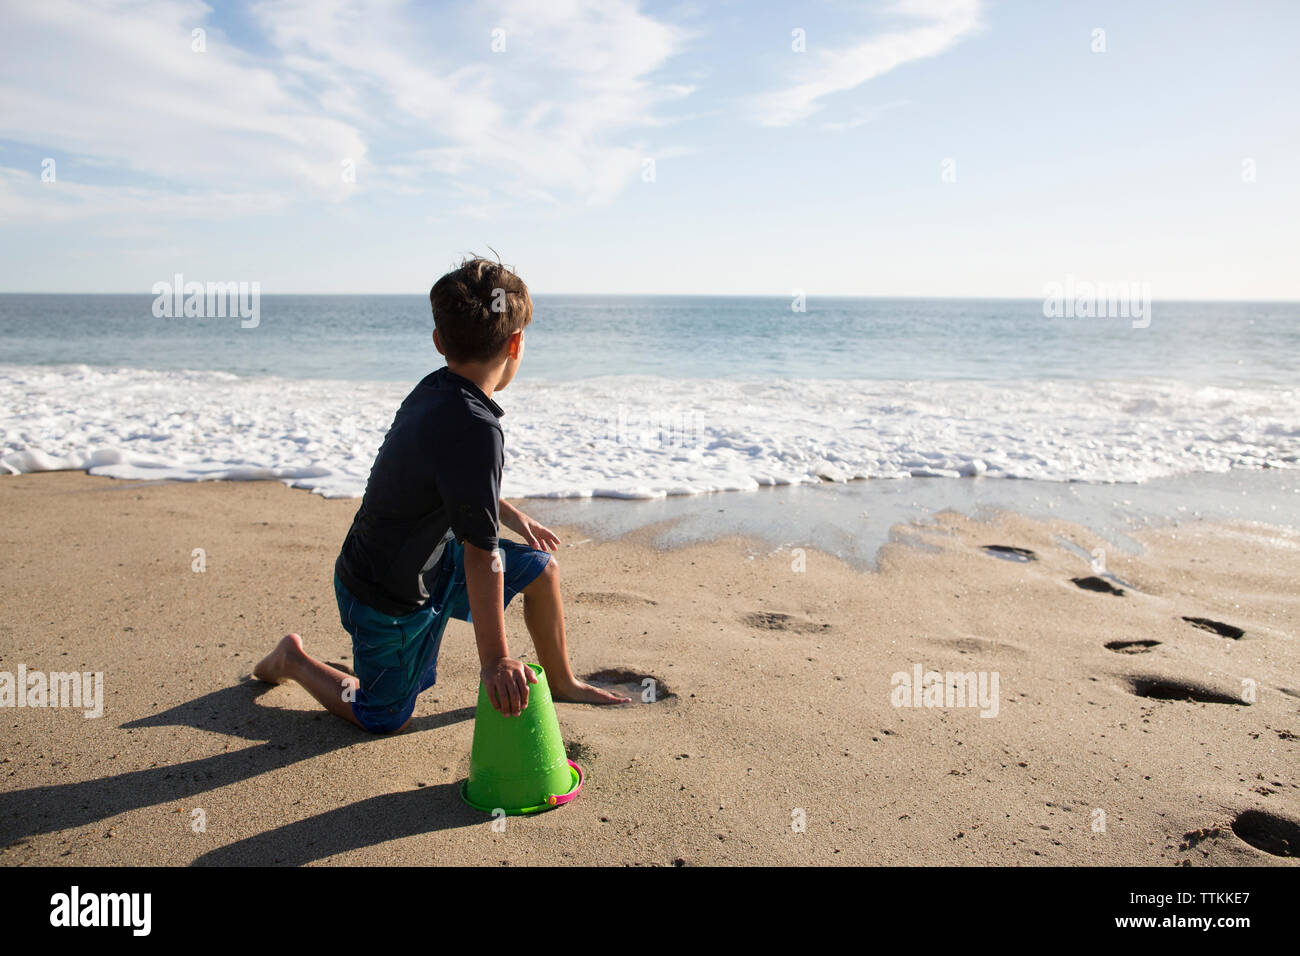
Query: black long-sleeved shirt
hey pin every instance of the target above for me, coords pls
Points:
(437, 475)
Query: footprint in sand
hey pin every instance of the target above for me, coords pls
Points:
(780, 621)
(1160, 688)
(642, 688)
(1268, 832)
(1008, 553)
(1131, 647)
(614, 599)
(981, 646)
(1094, 583)
(1215, 627)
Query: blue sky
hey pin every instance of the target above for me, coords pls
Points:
(773, 170)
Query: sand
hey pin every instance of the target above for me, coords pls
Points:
(774, 737)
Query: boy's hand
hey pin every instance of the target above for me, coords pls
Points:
(507, 680)
(538, 536)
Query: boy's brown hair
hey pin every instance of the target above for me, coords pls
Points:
(477, 307)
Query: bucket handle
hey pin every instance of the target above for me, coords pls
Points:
(558, 800)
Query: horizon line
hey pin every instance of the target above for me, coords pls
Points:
(715, 295)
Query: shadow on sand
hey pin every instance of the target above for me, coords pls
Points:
(287, 737)
(376, 820)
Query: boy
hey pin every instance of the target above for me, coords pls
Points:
(424, 544)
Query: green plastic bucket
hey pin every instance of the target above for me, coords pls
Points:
(518, 764)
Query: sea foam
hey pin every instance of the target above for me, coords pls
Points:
(645, 437)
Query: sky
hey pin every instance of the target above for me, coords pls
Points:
(909, 147)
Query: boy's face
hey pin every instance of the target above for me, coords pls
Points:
(514, 356)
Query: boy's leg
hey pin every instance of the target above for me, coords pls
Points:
(544, 615)
(329, 686)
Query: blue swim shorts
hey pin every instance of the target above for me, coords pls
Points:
(395, 658)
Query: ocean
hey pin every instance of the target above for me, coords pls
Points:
(654, 396)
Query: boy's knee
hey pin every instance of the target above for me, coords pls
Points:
(547, 579)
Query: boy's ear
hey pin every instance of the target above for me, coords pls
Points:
(515, 343)
(437, 343)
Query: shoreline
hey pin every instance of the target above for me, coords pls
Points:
(852, 520)
(776, 680)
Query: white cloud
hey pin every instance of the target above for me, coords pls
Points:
(120, 84)
(862, 117)
(824, 72)
(387, 85)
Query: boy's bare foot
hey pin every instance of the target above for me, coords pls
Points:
(582, 693)
(271, 667)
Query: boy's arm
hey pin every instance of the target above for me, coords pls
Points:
(470, 484)
(506, 679)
